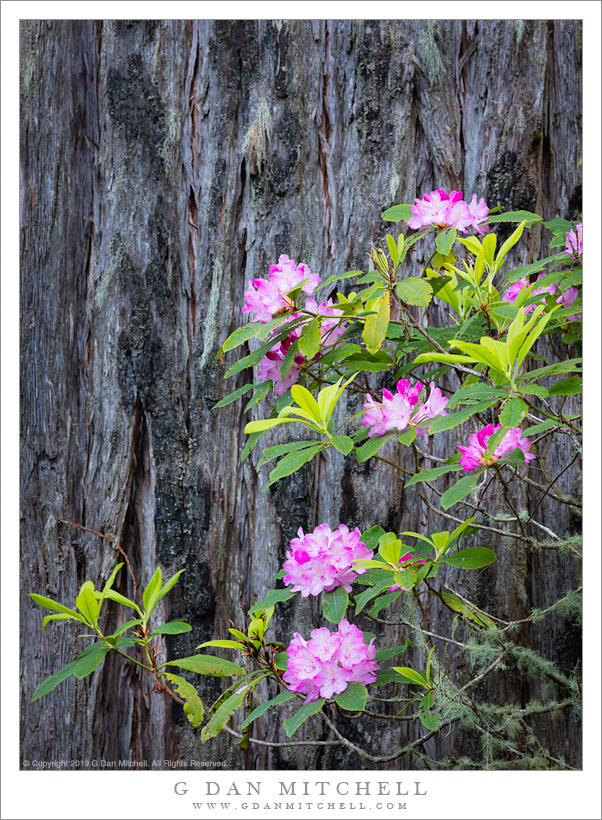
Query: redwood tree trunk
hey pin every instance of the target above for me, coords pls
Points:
(163, 164)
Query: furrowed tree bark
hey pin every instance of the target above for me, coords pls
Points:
(163, 164)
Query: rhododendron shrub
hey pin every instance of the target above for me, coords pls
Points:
(466, 339)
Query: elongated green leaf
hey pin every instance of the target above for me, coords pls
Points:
(471, 558)
(568, 366)
(87, 604)
(452, 420)
(270, 453)
(371, 537)
(412, 674)
(154, 585)
(258, 394)
(467, 610)
(246, 332)
(383, 601)
(397, 213)
(459, 490)
(283, 697)
(306, 401)
(375, 328)
(370, 448)
(446, 358)
(371, 592)
(222, 715)
(193, 707)
(407, 436)
(50, 618)
(207, 665)
(334, 605)
(172, 628)
(343, 444)
(513, 412)
(337, 276)
(53, 681)
(515, 216)
(273, 597)
(310, 339)
(292, 724)
(225, 644)
(90, 659)
(474, 392)
(48, 603)
(392, 651)
(121, 599)
(233, 396)
(431, 475)
(445, 240)
(262, 425)
(293, 462)
(393, 249)
(415, 291)
(567, 387)
(124, 627)
(353, 698)
(540, 428)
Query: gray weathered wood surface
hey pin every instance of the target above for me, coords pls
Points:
(163, 164)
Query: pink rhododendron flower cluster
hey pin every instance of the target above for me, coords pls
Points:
(330, 330)
(565, 299)
(329, 661)
(399, 410)
(409, 561)
(323, 560)
(475, 455)
(266, 297)
(574, 242)
(443, 210)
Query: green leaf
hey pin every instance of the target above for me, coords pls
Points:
(53, 681)
(372, 536)
(270, 453)
(334, 605)
(372, 363)
(413, 675)
(90, 659)
(49, 618)
(407, 436)
(440, 423)
(429, 720)
(467, 610)
(371, 592)
(225, 644)
(48, 603)
(353, 698)
(154, 585)
(246, 332)
(87, 604)
(343, 444)
(306, 401)
(258, 394)
(370, 448)
(283, 697)
(293, 462)
(392, 651)
(376, 325)
(540, 428)
(193, 707)
(172, 628)
(337, 276)
(514, 457)
(471, 558)
(262, 425)
(281, 661)
(415, 291)
(475, 392)
(222, 715)
(515, 216)
(310, 339)
(167, 587)
(568, 387)
(431, 475)
(273, 597)
(513, 412)
(292, 724)
(207, 665)
(121, 599)
(568, 366)
(459, 490)
(393, 250)
(383, 602)
(108, 585)
(445, 240)
(124, 627)
(233, 396)
(397, 213)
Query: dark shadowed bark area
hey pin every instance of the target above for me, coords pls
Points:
(163, 164)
